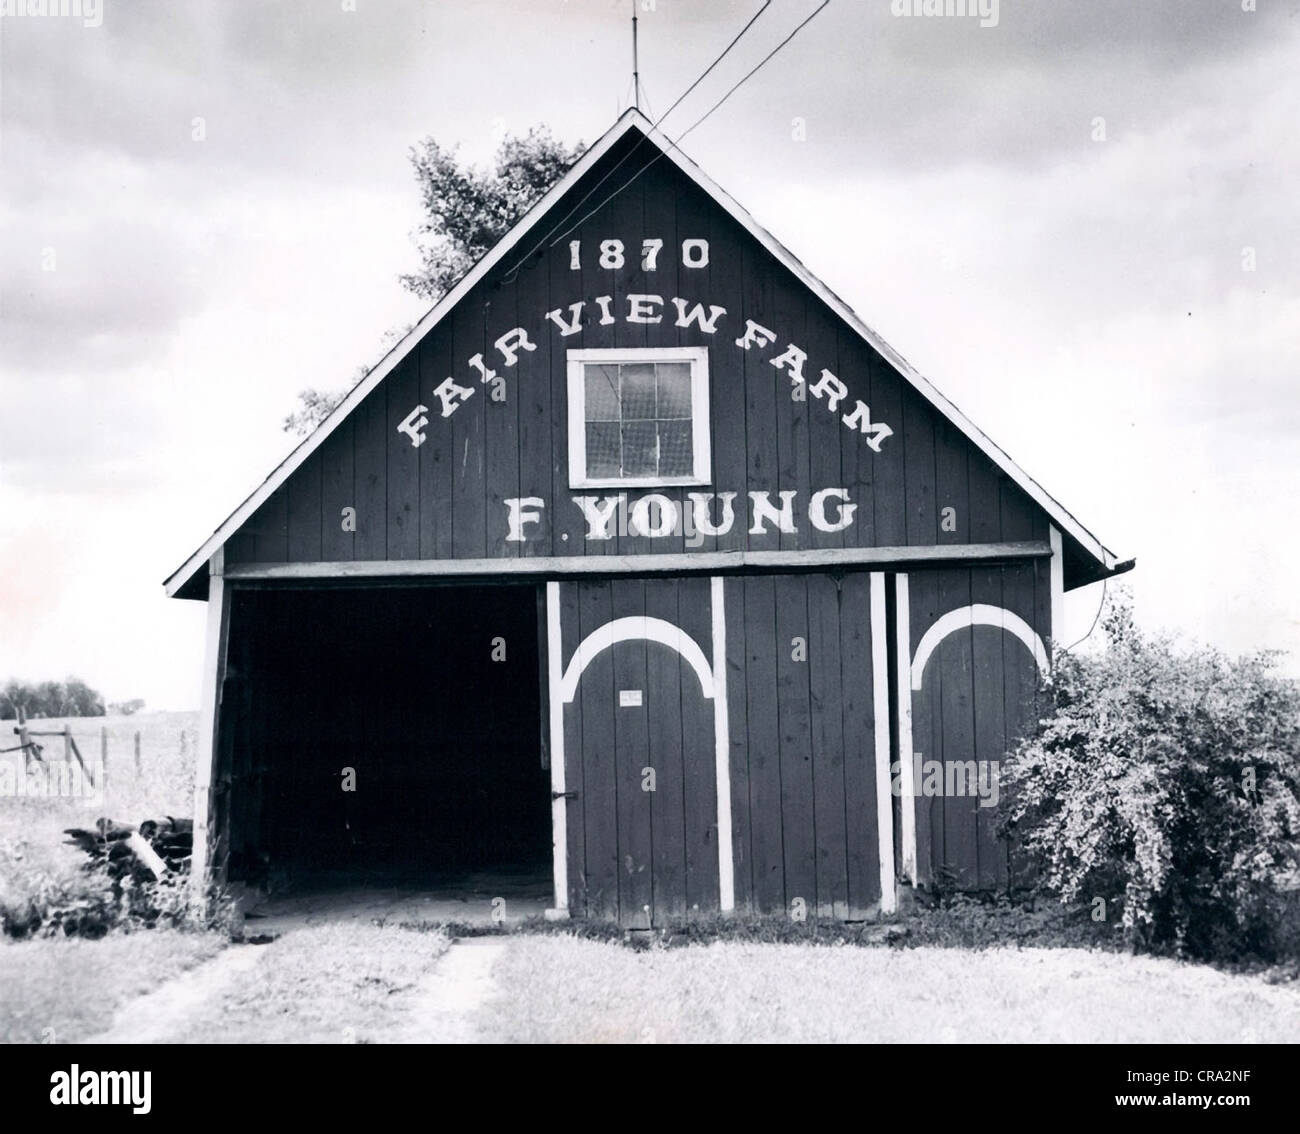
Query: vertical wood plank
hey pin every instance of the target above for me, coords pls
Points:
(889, 466)
(737, 703)
(532, 395)
(957, 722)
(574, 758)
(922, 518)
(826, 433)
(437, 486)
(304, 512)
(402, 477)
(668, 684)
(370, 461)
(856, 680)
(501, 440)
(597, 696)
(631, 753)
(829, 751)
(727, 363)
(699, 755)
(798, 823)
(337, 493)
(764, 749)
(475, 326)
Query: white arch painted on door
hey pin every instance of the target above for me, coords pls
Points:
(635, 627)
(980, 614)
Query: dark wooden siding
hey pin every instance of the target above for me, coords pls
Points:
(979, 696)
(801, 715)
(444, 499)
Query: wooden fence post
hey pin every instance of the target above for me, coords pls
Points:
(137, 752)
(103, 751)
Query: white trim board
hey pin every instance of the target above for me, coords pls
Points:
(533, 565)
(632, 120)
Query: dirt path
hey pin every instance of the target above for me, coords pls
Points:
(345, 984)
(447, 1002)
(159, 1016)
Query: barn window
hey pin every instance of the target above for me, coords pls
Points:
(638, 417)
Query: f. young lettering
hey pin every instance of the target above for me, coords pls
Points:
(656, 515)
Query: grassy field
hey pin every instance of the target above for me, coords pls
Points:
(63, 990)
(371, 984)
(564, 990)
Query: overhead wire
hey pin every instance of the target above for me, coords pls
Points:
(510, 275)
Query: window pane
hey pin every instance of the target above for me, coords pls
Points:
(602, 449)
(639, 449)
(638, 391)
(602, 392)
(674, 389)
(675, 455)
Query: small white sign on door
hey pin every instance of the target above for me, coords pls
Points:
(629, 698)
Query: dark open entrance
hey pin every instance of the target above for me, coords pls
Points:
(430, 694)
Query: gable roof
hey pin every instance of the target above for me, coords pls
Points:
(1104, 562)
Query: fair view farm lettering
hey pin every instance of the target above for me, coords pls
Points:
(787, 358)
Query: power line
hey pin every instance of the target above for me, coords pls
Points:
(510, 275)
(675, 143)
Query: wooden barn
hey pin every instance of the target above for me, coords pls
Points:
(641, 562)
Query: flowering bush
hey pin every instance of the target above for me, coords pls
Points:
(1162, 791)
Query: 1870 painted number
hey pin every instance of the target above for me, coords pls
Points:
(695, 254)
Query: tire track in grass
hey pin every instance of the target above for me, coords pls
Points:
(446, 1005)
(160, 1016)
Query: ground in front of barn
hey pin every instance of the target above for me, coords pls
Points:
(358, 983)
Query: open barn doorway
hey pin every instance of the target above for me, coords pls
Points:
(387, 736)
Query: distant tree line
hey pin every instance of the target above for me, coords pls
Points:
(71, 697)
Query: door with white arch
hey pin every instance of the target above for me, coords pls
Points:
(636, 702)
(977, 640)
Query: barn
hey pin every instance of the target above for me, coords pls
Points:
(641, 563)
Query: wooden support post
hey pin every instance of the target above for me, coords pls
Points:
(103, 748)
(21, 730)
(205, 743)
(67, 744)
(137, 752)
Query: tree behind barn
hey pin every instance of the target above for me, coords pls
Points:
(467, 211)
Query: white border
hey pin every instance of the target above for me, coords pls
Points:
(1057, 569)
(205, 743)
(880, 711)
(559, 812)
(631, 119)
(979, 614)
(698, 357)
(722, 746)
(903, 646)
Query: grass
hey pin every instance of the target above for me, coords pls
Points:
(333, 984)
(564, 990)
(62, 991)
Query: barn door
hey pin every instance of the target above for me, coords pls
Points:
(641, 810)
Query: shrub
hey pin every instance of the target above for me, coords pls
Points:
(1166, 782)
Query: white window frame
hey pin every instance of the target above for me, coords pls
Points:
(698, 357)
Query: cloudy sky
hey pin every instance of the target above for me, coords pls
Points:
(1080, 223)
